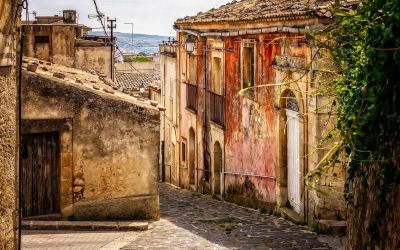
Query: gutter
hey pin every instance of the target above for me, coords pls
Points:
(266, 30)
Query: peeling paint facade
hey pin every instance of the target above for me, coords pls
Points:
(245, 101)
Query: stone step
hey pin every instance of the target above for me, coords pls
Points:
(290, 214)
(85, 225)
(332, 227)
(46, 217)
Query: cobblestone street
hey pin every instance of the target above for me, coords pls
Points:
(192, 221)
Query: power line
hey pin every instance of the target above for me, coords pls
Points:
(99, 14)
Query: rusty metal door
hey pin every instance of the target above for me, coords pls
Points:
(293, 159)
(40, 174)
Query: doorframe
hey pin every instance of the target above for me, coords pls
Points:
(65, 129)
(281, 166)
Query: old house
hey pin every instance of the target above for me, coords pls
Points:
(169, 171)
(88, 148)
(247, 128)
(61, 40)
(9, 45)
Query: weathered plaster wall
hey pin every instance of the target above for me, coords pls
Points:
(93, 58)
(143, 67)
(8, 134)
(62, 45)
(60, 48)
(64, 49)
(113, 159)
(169, 121)
(251, 144)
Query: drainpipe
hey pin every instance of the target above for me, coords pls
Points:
(205, 121)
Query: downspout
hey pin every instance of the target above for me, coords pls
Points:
(205, 121)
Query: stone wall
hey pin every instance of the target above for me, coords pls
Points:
(109, 148)
(8, 130)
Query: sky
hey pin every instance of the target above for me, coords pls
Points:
(153, 17)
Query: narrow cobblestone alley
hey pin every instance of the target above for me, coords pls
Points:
(191, 221)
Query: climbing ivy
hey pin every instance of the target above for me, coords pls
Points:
(365, 44)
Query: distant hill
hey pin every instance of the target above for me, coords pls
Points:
(141, 42)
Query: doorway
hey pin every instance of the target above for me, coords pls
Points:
(40, 174)
(192, 155)
(293, 152)
(217, 168)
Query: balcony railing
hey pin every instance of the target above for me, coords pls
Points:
(191, 97)
(217, 108)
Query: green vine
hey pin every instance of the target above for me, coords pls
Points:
(365, 45)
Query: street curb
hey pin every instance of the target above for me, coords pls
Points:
(85, 225)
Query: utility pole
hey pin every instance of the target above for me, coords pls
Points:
(112, 26)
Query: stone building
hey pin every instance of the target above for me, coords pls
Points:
(91, 149)
(9, 45)
(248, 126)
(61, 40)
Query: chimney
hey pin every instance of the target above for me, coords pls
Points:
(69, 16)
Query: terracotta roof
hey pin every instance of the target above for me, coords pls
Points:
(132, 81)
(268, 10)
(88, 81)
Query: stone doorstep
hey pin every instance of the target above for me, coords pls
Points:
(332, 227)
(85, 225)
(290, 214)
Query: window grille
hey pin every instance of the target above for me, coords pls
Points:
(291, 102)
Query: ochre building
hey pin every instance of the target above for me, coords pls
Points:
(89, 152)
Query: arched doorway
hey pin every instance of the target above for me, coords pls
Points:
(192, 156)
(217, 168)
(293, 151)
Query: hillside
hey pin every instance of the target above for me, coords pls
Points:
(141, 42)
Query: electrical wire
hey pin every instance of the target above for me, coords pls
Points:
(100, 15)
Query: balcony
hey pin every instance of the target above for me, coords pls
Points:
(216, 108)
(191, 97)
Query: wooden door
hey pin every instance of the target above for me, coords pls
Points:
(40, 174)
(293, 159)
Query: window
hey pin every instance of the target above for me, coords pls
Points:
(192, 79)
(171, 108)
(42, 39)
(217, 86)
(183, 151)
(248, 67)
